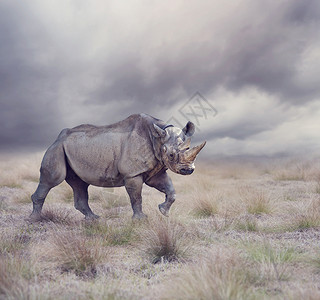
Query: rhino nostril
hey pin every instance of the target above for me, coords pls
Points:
(184, 171)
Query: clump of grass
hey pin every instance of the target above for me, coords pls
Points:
(309, 218)
(246, 223)
(205, 205)
(272, 260)
(164, 241)
(73, 252)
(256, 201)
(219, 275)
(305, 222)
(14, 241)
(112, 234)
(57, 215)
(14, 276)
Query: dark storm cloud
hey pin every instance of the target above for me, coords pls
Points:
(27, 87)
(267, 53)
(263, 47)
(60, 62)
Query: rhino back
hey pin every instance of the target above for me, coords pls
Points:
(105, 155)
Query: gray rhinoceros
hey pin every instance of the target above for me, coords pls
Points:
(129, 153)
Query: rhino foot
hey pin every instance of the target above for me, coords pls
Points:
(35, 217)
(139, 216)
(163, 209)
(91, 217)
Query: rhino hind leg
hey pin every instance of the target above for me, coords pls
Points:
(80, 194)
(52, 173)
(37, 200)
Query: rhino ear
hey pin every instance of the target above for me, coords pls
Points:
(158, 132)
(189, 129)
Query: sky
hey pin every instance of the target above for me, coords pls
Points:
(246, 72)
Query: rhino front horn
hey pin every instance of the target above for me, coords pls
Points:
(192, 153)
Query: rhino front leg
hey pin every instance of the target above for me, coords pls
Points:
(134, 189)
(162, 182)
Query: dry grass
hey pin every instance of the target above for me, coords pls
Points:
(13, 241)
(272, 261)
(71, 251)
(239, 229)
(164, 240)
(58, 215)
(220, 274)
(15, 273)
(308, 216)
(246, 223)
(12, 284)
(256, 201)
(297, 170)
(112, 234)
(205, 204)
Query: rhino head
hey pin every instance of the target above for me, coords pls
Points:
(174, 147)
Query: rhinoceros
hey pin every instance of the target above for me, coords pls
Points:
(137, 150)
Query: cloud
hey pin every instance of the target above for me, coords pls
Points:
(28, 84)
(62, 64)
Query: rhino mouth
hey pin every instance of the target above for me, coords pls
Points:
(186, 171)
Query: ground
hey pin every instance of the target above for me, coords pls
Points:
(239, 229)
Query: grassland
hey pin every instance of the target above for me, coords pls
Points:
(239, 229)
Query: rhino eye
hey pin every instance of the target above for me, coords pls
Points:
(171, 156)
(164, 149)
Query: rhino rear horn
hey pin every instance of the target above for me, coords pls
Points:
(192, 153)
(185, 145)
(160, 132)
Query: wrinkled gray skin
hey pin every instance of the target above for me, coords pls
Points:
(129, 153)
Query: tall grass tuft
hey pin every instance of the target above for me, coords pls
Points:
(218, 275)
(309, 218)
(256, 201)
(205, 204)
(73, 252)
(163, 240)
(272, 260)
